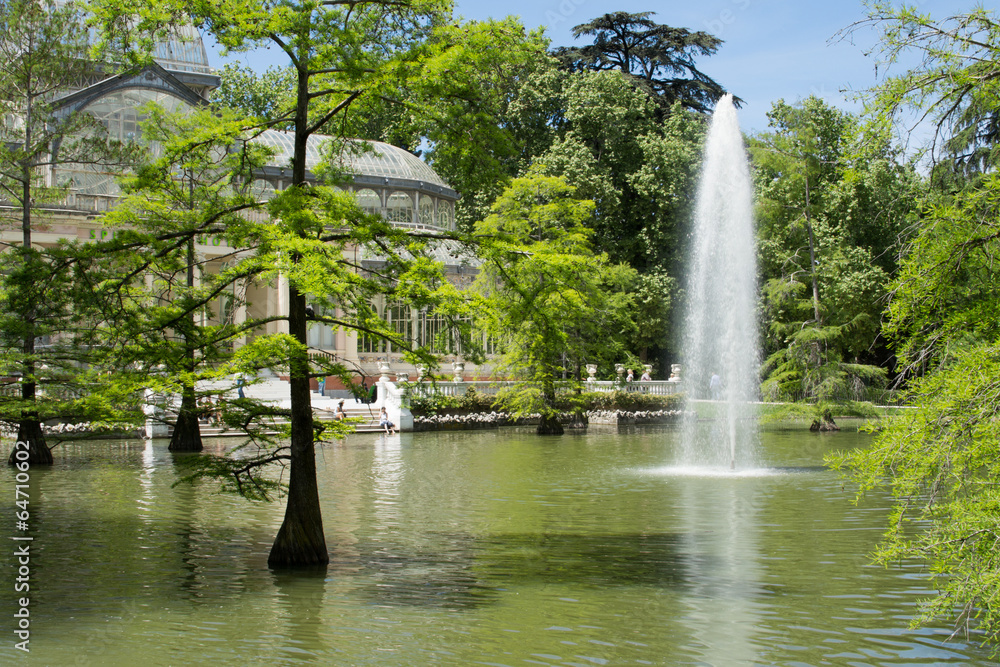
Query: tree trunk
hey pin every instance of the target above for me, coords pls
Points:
(549, 425)
(187, 431)
(30, 431)
(300, 541)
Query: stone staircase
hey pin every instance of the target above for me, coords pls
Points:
(275, 391)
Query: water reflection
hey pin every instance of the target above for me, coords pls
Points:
(464, 548)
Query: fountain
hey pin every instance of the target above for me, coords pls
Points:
(720, 352)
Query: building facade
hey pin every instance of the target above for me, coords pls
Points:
(384, 179)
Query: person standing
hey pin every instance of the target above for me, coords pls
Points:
(322, 385)
(629, 377)
(715, 386)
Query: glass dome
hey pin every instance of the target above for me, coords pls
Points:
(378, 160)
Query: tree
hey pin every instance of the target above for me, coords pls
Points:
(339, 53)
(656, 58)
(829, 219)
(42, 54)
(266, 96)
(540, 282)
(955, 86)
(475, 108)
(167, 319)
(939, 459)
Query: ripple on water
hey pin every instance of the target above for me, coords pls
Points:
(714, 472)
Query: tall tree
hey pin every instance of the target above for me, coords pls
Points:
(829, 226)
(339, 53)
(658, 59)
(43, 48)
(168, 318)
(940, 459)
(955, 87)
(541, 281)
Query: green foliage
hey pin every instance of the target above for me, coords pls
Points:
(44, 340)
(252, 95)
(567, 400)
(954, 83)
(631, 401)
(940, 459)
(539, 284)
(941, 462)
(469, 402)
(640, 172)
(831, 212)
(945, 298)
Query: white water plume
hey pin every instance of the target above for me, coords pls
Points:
(720, 327)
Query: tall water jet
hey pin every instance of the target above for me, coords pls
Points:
(720, 328)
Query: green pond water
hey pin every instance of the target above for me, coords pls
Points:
(470, 548)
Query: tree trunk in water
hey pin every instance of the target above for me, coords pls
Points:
(549, 425)
(187, 431)
(30, 431)
(300, 541)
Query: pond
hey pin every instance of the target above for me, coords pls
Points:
(471, 548)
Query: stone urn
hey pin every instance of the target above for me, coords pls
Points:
(384, 369)
(421, 373)
(458, 368)
(591, 372)
(675, 373)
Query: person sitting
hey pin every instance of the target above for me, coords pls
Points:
(384, 422)
(340, 414)
(629, 378)
(645, 377)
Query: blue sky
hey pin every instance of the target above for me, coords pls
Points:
(774, 49)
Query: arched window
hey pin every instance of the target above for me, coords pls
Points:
(369, 201)
(426, 211)
(446, 216)
(399, 208)
(437, 333)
